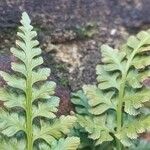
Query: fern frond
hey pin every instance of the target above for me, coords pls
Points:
(120, 90)
(30, 105)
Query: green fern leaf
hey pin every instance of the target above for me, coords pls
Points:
(120, 91)
(30, 105)
(12, 144)
(105, 79)
(10, 124)
(47, 110)
(135, 42)
(44, 91)
(141, 62)
(134, 79)
(11, 99)
(132, 130)
(96, 127)
(70, 143)
(133, 103)
(97, 100)
(51, 132)
(112, 58)
(80, 101)
(13, 81)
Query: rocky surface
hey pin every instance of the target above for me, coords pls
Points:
(70, 32)
(65, 106)
(66, 13)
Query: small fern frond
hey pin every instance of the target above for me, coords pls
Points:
(29, 102)
(120, 93)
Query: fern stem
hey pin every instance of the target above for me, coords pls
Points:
(29, 111)
(118, 143)
(122, 89)
(119, 111)
(119, 108)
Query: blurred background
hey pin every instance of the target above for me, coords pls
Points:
(70, 34)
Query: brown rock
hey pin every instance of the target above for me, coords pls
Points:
(65, 106)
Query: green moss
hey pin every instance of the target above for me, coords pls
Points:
(86, 31)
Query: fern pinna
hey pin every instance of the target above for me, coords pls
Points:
(115, 109)
(28, 119)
